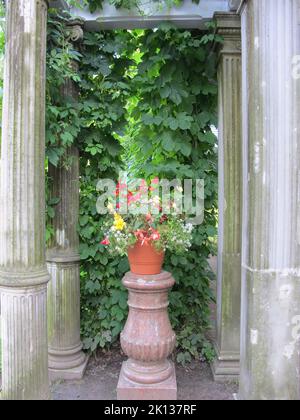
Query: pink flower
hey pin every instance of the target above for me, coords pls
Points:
(105, 241)
(155, 236)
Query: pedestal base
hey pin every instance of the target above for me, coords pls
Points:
(71, 374)
(226, 368)
(128, 390)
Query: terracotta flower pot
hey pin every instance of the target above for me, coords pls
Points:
(145, 259)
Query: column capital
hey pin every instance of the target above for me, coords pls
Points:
(229, 27)
(76, 30)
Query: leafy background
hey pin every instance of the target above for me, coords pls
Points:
(147, 104)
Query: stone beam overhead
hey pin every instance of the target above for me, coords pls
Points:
(59, 4)
(189, 15)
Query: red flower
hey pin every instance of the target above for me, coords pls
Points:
(163, 218)
(105, 241)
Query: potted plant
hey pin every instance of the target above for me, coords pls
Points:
(151, 226)
(144, 235)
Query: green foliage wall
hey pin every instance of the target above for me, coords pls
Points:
(147, 101)
(171, 114)
(104, 93)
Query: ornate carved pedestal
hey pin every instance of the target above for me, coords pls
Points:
(148, 340)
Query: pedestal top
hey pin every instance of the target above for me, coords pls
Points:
(164, 280)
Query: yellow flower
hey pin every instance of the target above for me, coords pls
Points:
(119, 223)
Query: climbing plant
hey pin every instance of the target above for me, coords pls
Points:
(105, 89)
(147, 102)
(171, 113)
(155, 92)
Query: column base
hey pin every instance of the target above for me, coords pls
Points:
(129, 390)
(69, 374)
(226, 367)
(24, 343)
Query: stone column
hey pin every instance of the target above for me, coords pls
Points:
(23, 272)
(271, 222)
(227, 342)
(66, 359)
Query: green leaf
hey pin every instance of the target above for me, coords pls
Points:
(53, 157)
(168, 142)
(186, 149)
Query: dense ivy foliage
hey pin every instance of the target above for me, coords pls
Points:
(90, 123)
(104, 93)
(171, 112)
(147, 101)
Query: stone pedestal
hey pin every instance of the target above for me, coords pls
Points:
(23, 272)
(271, 222)
(148, 340)
(226, 366)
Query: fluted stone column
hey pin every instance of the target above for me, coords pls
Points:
(227, 342)
(66, 359)
(271, 226)
(23, 272)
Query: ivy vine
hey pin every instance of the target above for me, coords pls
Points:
(147, 103)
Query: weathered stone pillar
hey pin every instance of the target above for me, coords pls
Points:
(271, 222)
(23, 272)
(227, 343)
(66, 359)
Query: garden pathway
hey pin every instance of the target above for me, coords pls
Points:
(100, 382)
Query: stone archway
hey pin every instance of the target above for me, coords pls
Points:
(270, 240)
